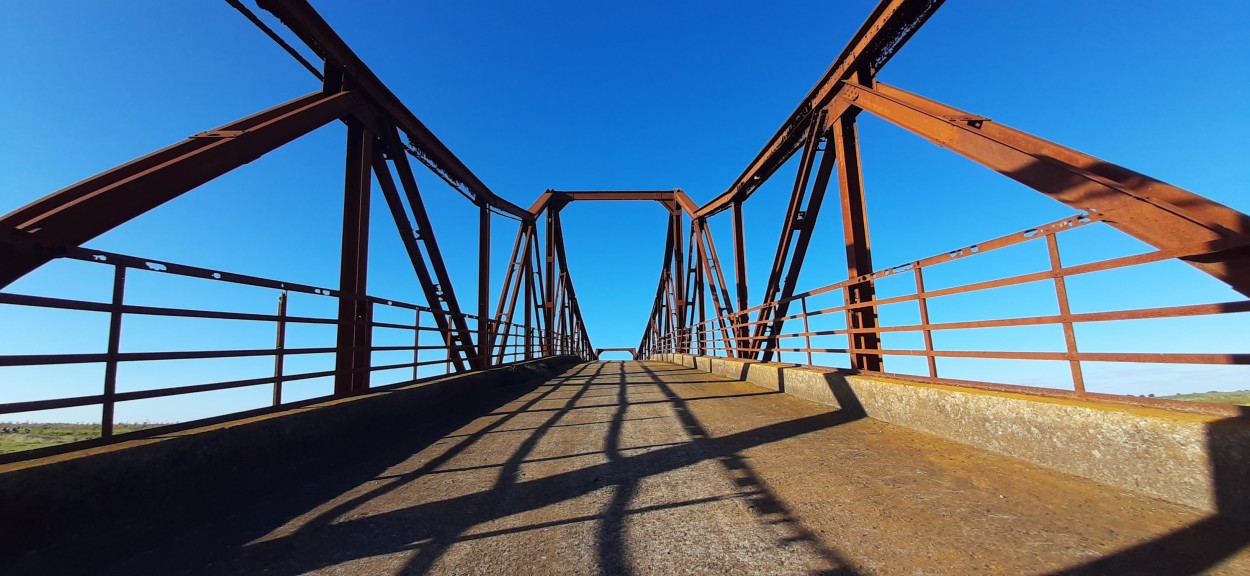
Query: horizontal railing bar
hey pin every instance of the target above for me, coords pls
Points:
(89, 306)
(49, 359)
(53, 404)
(1135, 357)
(137, 263)
(1136, 314)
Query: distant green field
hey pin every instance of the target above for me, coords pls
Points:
(19, 437)
(1241, 397)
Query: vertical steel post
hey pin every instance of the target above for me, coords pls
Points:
(416, 346)
(352, 359)
(447, 364)
(924, 320)
(858, 247)
(484, 332)
(740, 276)
(549, 304)
(679, 282)
(279, 356)
(700, 304)
(807, 331)
(114, 348)
(1065, 314)
(528, 301)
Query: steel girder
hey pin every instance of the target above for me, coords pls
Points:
(74, 215)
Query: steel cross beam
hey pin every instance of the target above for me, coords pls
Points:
(632, 351)
(562, 198)
(574, 309)
(889, 26)
(721, 302)
(514, 279)
(797, 230)
(438, 290)
(65, 219)
(313, 30)
(1157, 213)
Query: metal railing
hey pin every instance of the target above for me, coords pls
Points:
(731, 335)
(510, 341)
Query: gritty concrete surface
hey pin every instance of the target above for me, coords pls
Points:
(81, 490)
(1198, 460)
(655, 468)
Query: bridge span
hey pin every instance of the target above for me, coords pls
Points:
(974, 409)
(618, 468)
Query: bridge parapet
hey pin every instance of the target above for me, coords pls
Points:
(237, 458)
(1191, 454)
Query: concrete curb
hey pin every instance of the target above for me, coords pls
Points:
(1196, 460)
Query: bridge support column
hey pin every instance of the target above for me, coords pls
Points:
(484, 332)
(355, 335)
(740, 279)
(858, 247)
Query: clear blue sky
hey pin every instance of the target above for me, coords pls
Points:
(640, 95)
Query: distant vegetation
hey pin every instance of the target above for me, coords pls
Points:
(16, 437)
(1241, 397)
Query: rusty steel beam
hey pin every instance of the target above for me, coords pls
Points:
(549, 302)
(355, 335)
(574, 311)
(889, 26)
(313, 30)
(47, 227)
(440, 295)
(527, 279)
(678, 275)
(716, 282)
(740, 276)
(484, 336)
(1159, 214)
(693, 293)
(785, 262)
(657, 307)
(858, 245)
(512, 288)
(674, 197)
(409, 235)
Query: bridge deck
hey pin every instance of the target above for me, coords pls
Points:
(651, 468)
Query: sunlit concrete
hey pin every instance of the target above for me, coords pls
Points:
(1195, 459)
(656, 468)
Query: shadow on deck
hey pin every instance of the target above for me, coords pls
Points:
(648, 467)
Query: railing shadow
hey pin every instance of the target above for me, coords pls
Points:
(238, 506)
(428, 529)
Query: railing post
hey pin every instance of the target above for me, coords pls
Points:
(447, 351)
(807, 332)
(1065, 314)
(279, 356)
(924, 321)
(114, 347)
(416, 346)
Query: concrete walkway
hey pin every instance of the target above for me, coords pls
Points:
(654, 468)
